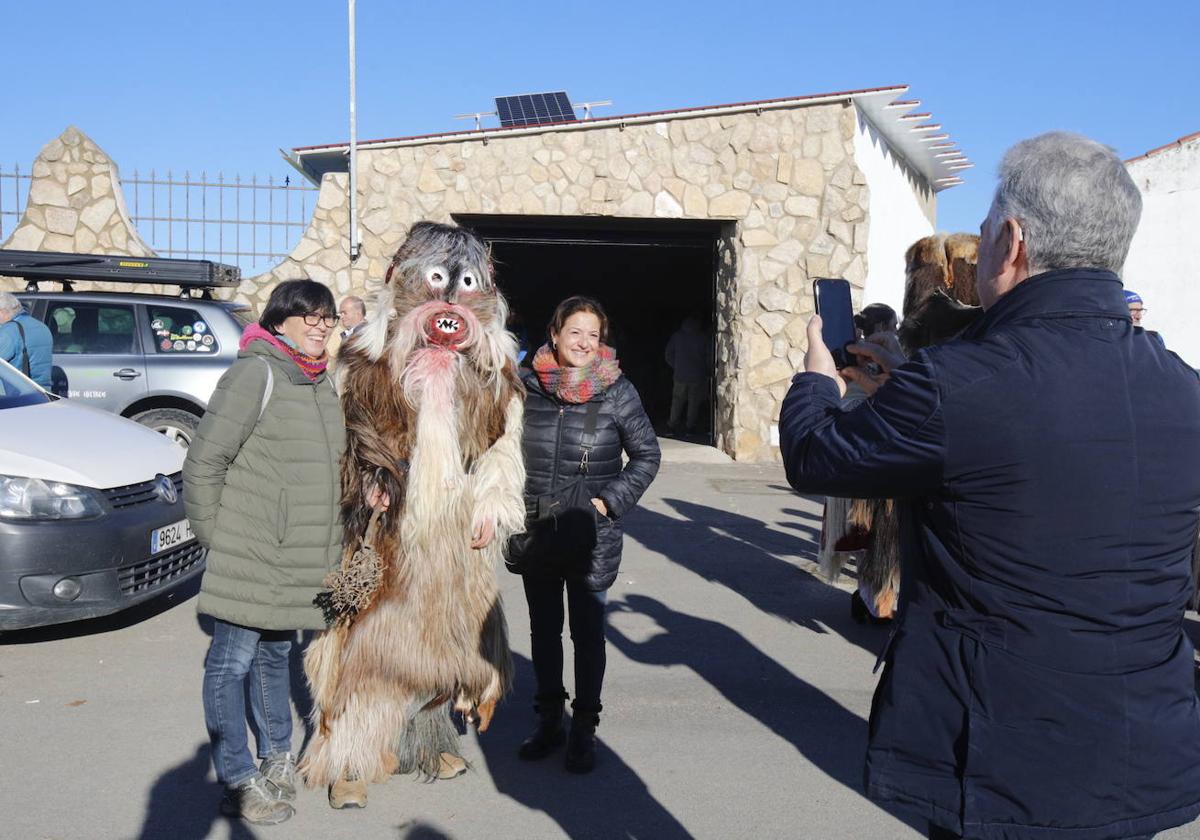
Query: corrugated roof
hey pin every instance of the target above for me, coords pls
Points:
(909, 134)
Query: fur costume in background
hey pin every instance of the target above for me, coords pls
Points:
(940, 301)
(433, 411)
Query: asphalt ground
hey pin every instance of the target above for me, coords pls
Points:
(735, 704)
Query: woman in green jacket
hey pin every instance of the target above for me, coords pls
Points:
(262, 487)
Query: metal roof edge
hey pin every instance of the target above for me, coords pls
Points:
(603, 122)
(925, 148)
(1165, 147)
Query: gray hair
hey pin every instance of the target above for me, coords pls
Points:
(9, 302)
(1075, 202)
(357, 302)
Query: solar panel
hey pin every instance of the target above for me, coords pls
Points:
(534, 109)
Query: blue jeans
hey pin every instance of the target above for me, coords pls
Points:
(586, 610)
(238, 653)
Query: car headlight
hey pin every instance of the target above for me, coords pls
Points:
(33, 498)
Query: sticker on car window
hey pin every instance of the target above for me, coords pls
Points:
(178, 330)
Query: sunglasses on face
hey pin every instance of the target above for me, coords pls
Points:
(314, 318)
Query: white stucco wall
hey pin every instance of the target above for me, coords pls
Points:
(1164, 261)
(900, 213)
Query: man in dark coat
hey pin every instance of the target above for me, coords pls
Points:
(1038, 683)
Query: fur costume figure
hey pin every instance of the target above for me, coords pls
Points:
(941, 261)
(433, 411)
(940, 301)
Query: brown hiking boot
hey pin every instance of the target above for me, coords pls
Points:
(452, 766)
(348, 793)
(255, 802)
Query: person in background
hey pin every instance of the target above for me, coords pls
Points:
(1137, 309)
(876, 318)
(689, 353)
(262, 486)
(25, 342)
(1039, 682)
(577, 368)
(352, 314)
(847, 525)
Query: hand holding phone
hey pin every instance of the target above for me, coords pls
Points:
(836, 309)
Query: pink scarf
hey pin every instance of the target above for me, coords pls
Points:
(311, 365)
(576, 384)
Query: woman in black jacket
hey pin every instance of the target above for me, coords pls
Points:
(576, 383)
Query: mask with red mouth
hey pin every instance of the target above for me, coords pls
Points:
(447, 329)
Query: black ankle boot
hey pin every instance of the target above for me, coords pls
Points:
(581, 745)
(549, 735)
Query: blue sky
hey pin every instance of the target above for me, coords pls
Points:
(222, 85)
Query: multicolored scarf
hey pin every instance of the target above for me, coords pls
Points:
(311, 365)
(576, 384)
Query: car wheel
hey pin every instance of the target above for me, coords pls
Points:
(178, 425)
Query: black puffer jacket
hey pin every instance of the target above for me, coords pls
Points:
(551, 442)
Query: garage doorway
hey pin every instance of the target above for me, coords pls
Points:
(649, 274)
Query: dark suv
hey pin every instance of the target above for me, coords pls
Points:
(150, 357)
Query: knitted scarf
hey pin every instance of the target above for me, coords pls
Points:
(311, 365)
(576, 384)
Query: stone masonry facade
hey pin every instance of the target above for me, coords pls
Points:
(785, 181)
(76, 203)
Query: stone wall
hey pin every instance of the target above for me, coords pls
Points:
(785, 178)
(75, 204)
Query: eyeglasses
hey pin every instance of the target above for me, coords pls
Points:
(314, 318)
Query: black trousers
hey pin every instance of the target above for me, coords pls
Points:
(585, 609)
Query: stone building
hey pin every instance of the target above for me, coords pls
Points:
(728, 212)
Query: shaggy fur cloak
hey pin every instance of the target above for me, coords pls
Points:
(433, 412)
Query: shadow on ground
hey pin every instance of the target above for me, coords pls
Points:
(831, 738)
(756, 561)
(612, 801)
(182, 804)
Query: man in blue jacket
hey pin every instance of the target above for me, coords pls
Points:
(1038, 683)
(25, 342)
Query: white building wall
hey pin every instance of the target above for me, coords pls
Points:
(900, 213)
(1164, 261)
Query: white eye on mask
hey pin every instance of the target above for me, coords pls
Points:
(468, 282)
(437, 276)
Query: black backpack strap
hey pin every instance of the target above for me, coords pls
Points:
(589, 435)
(25, 369)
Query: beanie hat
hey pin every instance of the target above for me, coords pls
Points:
(1132, 297)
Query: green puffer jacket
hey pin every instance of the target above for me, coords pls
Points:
(262, 494)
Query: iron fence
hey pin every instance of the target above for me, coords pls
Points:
(13, 189)
(248, 222)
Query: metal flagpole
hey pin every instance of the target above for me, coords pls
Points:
(355, 245)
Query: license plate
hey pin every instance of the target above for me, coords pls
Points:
(170, 536)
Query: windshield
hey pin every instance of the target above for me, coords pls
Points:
(16, 390)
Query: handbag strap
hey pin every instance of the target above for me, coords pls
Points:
(25, 368)
(589, 435)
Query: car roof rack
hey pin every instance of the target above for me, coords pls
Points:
(59, 267)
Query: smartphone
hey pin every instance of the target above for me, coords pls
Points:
(837, 317)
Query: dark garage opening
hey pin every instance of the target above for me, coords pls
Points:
(648, 274)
